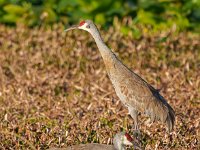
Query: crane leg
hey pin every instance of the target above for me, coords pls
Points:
(134, 115)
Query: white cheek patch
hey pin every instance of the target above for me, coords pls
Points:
(83, 27)
(127, 142)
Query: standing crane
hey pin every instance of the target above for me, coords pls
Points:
(120, 141)
(134, 92)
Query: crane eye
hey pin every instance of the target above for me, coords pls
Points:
(88, 26)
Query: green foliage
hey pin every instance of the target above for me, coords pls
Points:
(156, 14)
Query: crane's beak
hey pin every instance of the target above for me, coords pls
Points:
(71, 28)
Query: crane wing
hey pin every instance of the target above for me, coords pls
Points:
(143, 97)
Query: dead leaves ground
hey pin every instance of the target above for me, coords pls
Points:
(54, 90)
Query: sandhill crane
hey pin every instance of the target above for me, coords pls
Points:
(120, 141)
(134, 92)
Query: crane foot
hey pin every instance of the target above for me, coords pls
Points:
(137, 134)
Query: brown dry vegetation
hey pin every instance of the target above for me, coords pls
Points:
(54, 90)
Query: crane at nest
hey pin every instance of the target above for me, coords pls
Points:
(133, 91)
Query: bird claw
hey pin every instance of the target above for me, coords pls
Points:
(137, 134)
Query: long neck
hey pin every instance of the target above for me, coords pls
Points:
(106, 53)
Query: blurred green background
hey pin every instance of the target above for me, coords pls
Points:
(154, 14)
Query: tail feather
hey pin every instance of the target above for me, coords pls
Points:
(170, 120)
(166, 113)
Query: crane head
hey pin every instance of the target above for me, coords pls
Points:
(86, 25)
